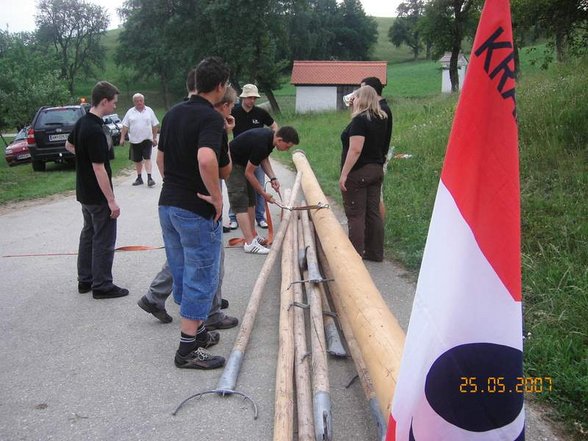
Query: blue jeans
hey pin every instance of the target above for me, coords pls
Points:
(259, 200)
(192, 246)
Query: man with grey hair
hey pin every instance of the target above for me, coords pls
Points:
(141, 125)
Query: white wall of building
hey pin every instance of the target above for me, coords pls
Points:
(446, 82)
(315, 98)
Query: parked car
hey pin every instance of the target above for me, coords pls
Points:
(48, 132)
(111, 122)
(17, 152)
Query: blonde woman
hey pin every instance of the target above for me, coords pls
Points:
(364, 153)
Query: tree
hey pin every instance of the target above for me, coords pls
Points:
(406, 29)
(449, 21)
(152, 43)
(29, 79)
(74, 29)
(565, 21)
(356, 32)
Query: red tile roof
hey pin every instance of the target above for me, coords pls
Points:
(336, 72)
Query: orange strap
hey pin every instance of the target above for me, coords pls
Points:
(240, 241)
(125, 248)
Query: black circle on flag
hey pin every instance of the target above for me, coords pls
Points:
(473, 386)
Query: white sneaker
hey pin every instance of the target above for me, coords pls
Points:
(262, 223)
(255, 248)
(234, 225)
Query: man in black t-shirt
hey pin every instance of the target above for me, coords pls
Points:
(190, 206)
(249, 151)
(249, 116)
(94, 191)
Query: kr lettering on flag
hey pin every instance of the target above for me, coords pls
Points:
(463, 352)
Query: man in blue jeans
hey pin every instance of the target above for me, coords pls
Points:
(190, 206)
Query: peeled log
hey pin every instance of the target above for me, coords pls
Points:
(380, 337)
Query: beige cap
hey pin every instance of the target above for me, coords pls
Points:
(249, 90)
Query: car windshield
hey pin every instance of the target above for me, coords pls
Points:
(62, 116)
(20, 135)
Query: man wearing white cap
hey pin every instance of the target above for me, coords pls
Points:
(249, 116)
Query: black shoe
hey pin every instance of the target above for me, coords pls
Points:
(151, 308)
(84, 287)
(224, 303)
(199, 359)
(209, 339)
(226, 322)
(112, 293)
(138, 181)
(150, 182)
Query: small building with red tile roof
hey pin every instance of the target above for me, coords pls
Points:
(321, 85)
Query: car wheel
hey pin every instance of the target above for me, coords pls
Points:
(38, 166)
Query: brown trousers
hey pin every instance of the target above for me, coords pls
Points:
(361, 202)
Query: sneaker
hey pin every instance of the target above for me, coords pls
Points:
(209, 339)
(112, 293)
(150, 182)
(138, 181)
(84, 287)
(226, 229)
(234, 225)
(262, 240)
(151, 308)
(226, 322)
(255, 247)
(199, 359)
(224, 303)
(262, 224)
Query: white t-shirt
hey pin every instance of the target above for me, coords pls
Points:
(140, 124)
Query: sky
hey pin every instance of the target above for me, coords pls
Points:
(19, 15)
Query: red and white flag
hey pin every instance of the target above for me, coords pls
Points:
(461, 372)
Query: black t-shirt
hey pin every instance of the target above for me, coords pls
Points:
(187, 127)
(374, 146)
(91, 147)
(386, 108)
(254, 119)
(253, 145)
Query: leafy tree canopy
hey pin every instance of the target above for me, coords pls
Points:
(73, 29)
(29, 79)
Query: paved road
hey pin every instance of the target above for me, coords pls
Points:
(75, 368)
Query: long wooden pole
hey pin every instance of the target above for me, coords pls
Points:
(321, 395)
(284, 393)
(362, 372)
(380, 337)
(228, 380)
(302, 359)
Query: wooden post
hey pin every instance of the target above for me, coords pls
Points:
(362, 372)
(321, 396)
(284, 393)
(302, 359)
(228, 380)
(380, 337)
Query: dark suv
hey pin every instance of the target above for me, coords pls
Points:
(49, 131)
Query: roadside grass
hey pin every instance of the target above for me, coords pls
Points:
(20, 183)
